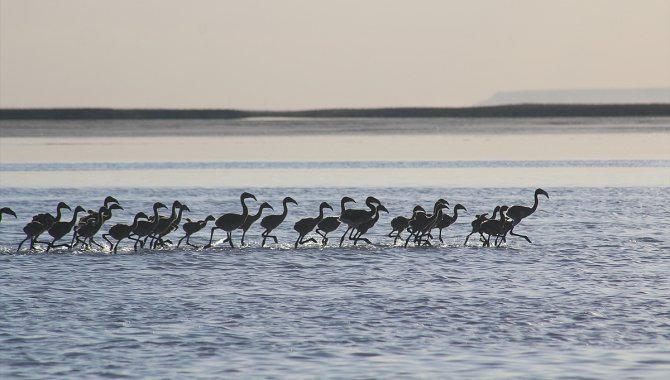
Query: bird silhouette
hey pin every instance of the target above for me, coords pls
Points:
(447, 220)
(191, 227)
(354, 217)
(306, 225)
(123, 231)
(253, 218)
(61, 228)
(401, 223)
(231, 222)
(518, 213)
(330, 223)
(271, 222)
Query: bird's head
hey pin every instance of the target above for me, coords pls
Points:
(540, 191)
(246, 195)
(8, 211)
(63, 205)
(290, 200)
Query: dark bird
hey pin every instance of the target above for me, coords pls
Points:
(365, 226)
(354, 217)
(168, 225)
(144, 228)
(518, 213)
(123, 231)
(495, 227)
(61, 228)
(8, 211)
(401, 223)
(476, 224)
(271, 222)
(306, 225)
(41, 223)
(93, 214)
(231, 222)
(84, 233)
(191, 227)
(330, 224)
(421, 226)
(447, 220)
(251, 219)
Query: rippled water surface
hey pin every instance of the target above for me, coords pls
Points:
(589, 298)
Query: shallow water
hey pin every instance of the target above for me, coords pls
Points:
(587, 299)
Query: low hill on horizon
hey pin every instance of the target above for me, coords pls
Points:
(581, 96)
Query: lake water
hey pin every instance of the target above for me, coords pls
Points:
(589, 298)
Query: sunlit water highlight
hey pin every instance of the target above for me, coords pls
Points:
(588, 299)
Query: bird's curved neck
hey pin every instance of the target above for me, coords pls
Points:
(58, 213)
(74, 218)
(342, 203)
(245, 209)
(537, 201)
(136, 222)
(181, 210)
(285, 209)
(155, 215)
(174, 212)
(320, 213)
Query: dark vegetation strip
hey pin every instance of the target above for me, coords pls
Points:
(518, 110)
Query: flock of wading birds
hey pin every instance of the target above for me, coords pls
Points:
(154, 229)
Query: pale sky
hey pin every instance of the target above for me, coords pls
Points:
(298, 54)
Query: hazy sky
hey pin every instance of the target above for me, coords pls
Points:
(294, 54)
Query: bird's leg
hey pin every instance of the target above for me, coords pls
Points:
(343, 236)
(511, 232)
(307, 241)
(244, 232)
(211, 236)
(230, 239)
(180, 240)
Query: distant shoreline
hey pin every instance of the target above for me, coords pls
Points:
(503, 111)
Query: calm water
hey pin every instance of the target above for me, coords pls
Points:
(590, 298)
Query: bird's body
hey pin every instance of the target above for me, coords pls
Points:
(90, 224)
(251, 219)
(518, 213)
(421, 226)
(447, 220)
(123, 231)
(168, 225)
(355, 217)
(41, 223)
(231, 222)
(306, 225)
(271, 222)
(495, 227)
(401, 223)
(144, 228)
(330, 223)
(61, 228)
(364, 227)
(191, 227)
(476, 224)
